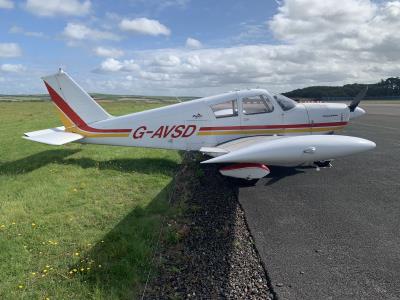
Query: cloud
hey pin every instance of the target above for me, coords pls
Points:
(355, 25)
(11, 68)
(108, 52)
(58, 7)
(20, 30)
(80, 32)
(10, 50)
(144, 26)
(114, 65)
(316, 42)
(192, 43)
(6, 4)
(252, 33)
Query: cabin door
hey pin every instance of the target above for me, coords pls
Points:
(259, 116)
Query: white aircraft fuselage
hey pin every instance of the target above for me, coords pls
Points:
(252, 117)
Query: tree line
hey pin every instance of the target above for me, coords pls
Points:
(384, 89)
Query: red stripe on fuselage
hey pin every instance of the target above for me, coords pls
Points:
(273, 126)
(74, 116)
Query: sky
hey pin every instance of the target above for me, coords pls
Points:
(197, 47)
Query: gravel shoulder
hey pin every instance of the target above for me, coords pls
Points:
(215, 256)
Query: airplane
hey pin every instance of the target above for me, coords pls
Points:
(244, 131)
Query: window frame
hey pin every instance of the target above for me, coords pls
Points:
(267, 102)
(279, 101)
(235, 109)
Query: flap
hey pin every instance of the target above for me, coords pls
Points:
(236, 145)
(213, 151)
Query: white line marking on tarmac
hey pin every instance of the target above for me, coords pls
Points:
(378, 126)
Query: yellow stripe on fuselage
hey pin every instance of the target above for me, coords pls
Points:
(71, 127)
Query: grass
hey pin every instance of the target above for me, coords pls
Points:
(77, 221)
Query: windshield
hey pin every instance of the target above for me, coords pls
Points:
(284, 102)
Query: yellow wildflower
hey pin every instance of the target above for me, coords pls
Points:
(21, 286)
(33, 224)
(76, 253)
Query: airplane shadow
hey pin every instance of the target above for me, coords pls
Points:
(60, 156)
(140, 165)
(36, 161)
(279, 173)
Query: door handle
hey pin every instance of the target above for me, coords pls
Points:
(246, 119)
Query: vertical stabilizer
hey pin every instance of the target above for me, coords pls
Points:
(76, 105)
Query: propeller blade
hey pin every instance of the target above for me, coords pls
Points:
(357, 99)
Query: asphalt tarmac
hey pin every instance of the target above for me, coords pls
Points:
(334, 234)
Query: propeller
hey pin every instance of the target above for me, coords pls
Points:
(357, 99)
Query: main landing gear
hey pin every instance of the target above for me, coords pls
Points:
(323, 164)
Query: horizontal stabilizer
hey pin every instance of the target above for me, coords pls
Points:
(53, 136)
(43, 131)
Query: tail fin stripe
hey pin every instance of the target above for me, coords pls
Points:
(61, 104)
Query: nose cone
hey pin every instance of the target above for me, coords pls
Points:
(358, 112)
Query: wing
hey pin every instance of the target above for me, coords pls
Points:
(286, 150)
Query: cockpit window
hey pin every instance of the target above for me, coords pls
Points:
(225, 109)
(257, 105)
(284, 102)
